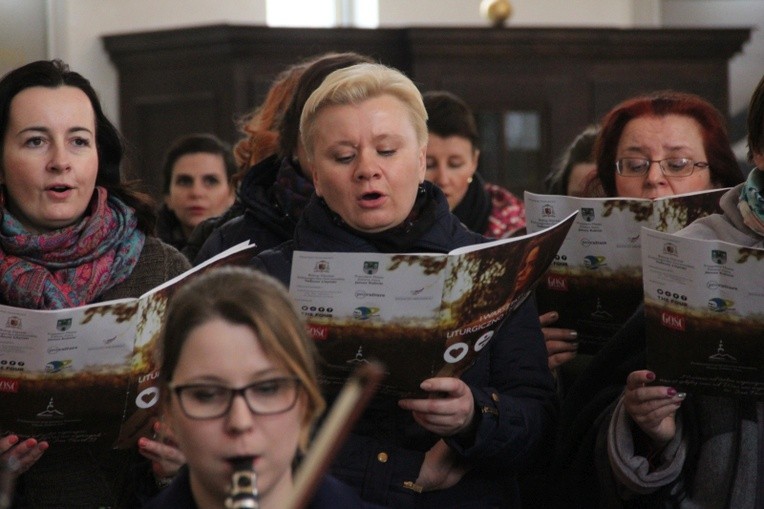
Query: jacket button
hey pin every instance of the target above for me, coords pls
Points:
(382, 457)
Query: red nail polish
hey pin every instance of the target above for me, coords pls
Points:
(650, 376)
(671, 392)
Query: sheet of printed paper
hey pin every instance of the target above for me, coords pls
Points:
(46, 355)
(704, 310)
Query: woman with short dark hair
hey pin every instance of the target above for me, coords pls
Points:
(452, 162)
(198, 173)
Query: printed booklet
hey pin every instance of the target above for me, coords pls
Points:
(595, 282)
(704, 314)
(87, 374)
(421, 315)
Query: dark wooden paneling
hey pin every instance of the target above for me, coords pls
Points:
(204, 78)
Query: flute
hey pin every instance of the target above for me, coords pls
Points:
(352, 400)
(243, 492)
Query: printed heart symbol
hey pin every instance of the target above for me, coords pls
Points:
(456, 353)
(147, 398)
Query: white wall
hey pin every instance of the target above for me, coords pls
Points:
(75, 27)
(618, 13)
(18, 42)
(747, 68)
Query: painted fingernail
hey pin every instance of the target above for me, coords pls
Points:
(13, 439)
(650, 376)
(142, 442)
(671, 392)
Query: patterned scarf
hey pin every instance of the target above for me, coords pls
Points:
(751, 204)
(71, 266)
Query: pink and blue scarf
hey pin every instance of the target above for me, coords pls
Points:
(71, 266)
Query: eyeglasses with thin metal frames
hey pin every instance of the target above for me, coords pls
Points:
(670, 167)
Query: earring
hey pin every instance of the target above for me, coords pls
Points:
(469, 180)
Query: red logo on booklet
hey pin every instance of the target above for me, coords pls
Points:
(672, 321)
(9, 385)
(558, 283)
(318, 332)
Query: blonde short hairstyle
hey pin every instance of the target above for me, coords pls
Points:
(355, 84)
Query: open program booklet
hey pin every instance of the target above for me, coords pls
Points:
(421, 315)
(595, 282)
(704, 314)
(87, 374)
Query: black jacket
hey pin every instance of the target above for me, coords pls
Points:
(169, 230)
(513, 389)
(330, 494)
(264, 220)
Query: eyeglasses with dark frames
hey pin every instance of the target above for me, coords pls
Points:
(211, 401)
(671, 167)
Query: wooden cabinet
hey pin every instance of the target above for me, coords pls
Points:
(532, 89)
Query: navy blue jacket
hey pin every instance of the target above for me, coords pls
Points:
(330, 494)
(263, 220)
(513, 389)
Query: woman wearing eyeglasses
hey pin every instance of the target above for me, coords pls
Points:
(664, 144)
(239, 381)
(654, 146)
(651, 146)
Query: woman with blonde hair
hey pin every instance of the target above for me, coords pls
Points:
(274, 191)
(364, 131)
(238, 383)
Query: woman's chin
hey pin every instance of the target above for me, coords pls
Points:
(371, 224)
